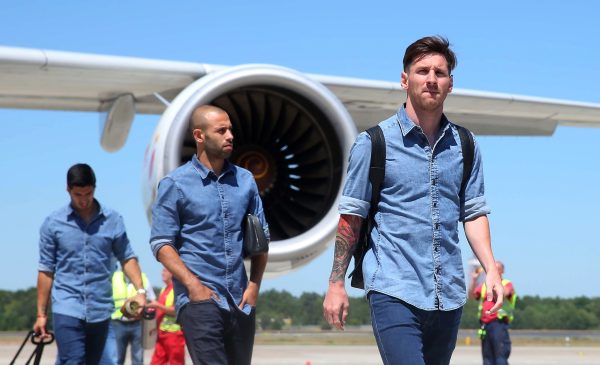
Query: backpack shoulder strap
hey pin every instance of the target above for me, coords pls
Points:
(376, 175)
(377, 167)
(468, 150)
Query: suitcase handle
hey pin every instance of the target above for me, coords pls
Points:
(39, 343)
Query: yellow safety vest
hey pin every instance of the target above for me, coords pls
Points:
(168, 323)
(508, 306)
(122, 291)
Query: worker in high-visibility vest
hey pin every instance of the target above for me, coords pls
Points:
(495, 339)
(170, 343)
(128, 331)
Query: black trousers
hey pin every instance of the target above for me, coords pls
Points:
(215, 336)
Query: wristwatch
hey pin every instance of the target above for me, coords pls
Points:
(141, 291)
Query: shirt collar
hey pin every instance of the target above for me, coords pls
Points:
(73, 213)
(406, 124)
(204, 171)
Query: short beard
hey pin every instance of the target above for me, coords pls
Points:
(226, 155)
(219, 154)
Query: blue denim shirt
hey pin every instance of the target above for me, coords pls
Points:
(415, 253)
(201, 215)
(80, 256)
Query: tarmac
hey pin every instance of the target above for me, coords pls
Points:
(352, 355)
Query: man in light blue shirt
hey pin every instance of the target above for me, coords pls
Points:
(413, 274)
(77, 244)
(197, 235)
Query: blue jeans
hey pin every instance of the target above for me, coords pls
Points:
(407, 335)
(129, 333)
(496, 346)
(215, 336)
(109, 355)
(79, 342)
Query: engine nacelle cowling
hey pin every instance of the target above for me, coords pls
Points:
(290, 131)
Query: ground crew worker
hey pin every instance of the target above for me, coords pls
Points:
(495, 339)
(170, 344)
(128, 331)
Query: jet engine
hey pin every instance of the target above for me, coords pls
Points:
(290, 131)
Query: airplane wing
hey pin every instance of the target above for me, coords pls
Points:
(44, 79)
(484, 113)
(294, 133)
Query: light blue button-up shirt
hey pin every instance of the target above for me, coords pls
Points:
(80, 256)
(415, 254)
(201, 216)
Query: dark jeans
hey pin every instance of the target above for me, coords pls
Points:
(496, 346)
(109, 355)
(79, 342)
(129, 333)
(215, 336)
(407, 335)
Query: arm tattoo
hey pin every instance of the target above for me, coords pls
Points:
(345, 239)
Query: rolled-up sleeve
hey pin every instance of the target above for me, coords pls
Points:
(47, 247)
(257, 209)
(165, 216)
(121, 246)
(356, 196)
(475, 204)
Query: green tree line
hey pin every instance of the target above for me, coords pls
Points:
(280, 309)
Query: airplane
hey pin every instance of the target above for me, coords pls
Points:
(292, 130)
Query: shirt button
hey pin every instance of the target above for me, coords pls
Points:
(437, 226)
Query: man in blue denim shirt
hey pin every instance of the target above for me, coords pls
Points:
(197, 235)
(413, 271)
(77, 245)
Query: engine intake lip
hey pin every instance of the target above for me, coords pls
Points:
(311, 98)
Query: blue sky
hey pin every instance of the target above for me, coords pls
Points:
(543, 191)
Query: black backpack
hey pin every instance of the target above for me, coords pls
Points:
(376, 175)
